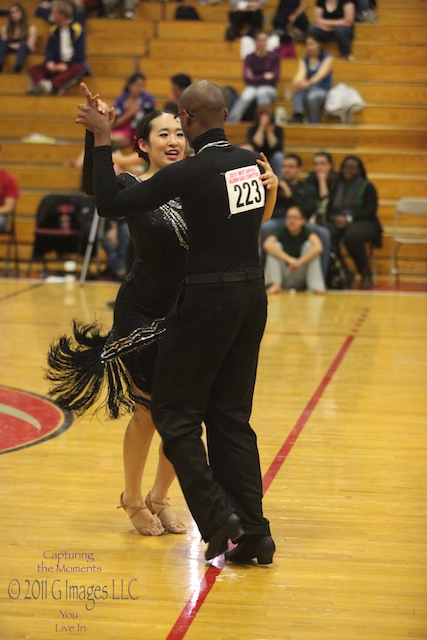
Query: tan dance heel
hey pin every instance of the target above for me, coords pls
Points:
(166, 515)
(153, 528)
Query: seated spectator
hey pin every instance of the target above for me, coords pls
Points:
(95, 7)
(293, 190)
(293, 256)
(126, 8)
(312, 81)
(179, 83)
(242, 13)
(17, 37)
(9, 194)
(116, 244)
(264, 135)
(133, 103)
(352, 216)
(129, 162)
(334, 20)
(261, 71)
(44, 11)
(64, 64)
(290, 15)
(323, 179)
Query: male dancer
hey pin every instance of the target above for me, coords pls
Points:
(207, 360)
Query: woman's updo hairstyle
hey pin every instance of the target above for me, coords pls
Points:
(143, 131)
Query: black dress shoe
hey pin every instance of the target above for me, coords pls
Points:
(218, 542)
(260, 547)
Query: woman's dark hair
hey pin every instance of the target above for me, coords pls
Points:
(298, 208)
(264, 108)
(326, 155)
(181, 80)
(295, 157)
(133, 78)
(22, 23)
(143, 130)
(359, 163)
(319, 42)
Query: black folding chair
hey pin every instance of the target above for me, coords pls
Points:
(62, 227)
(9, 240)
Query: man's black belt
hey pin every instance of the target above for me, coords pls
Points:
(232, 276)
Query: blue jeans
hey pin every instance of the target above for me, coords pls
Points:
(342, 35)
(21, 53)
(116, 252)
(265, 94)
(313, 98)
(276, 162)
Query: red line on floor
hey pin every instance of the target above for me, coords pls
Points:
(190, 610)
(299, 426)
(193, 605)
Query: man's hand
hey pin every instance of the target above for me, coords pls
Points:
(268, 178)
(293, 264)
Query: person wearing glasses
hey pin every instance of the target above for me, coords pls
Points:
(293, 256)
(17, 37)
(206, 365)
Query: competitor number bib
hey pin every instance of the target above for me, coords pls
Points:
(244, 188)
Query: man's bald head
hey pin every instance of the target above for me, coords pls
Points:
(205, 101)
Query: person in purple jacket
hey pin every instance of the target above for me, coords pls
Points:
(130, 106)
(261, 72)
(64, 64)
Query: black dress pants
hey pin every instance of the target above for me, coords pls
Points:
(205, 372)
(254, 19)
(354, 237)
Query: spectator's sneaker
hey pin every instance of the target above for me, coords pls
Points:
(129, 15)
(368, 16)
(295, 34)
(33, 89)
(45, 86)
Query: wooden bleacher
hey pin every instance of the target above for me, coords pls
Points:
(389, 71)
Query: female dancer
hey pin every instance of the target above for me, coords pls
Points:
(79, 366)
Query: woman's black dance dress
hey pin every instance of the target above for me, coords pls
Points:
(113, 370)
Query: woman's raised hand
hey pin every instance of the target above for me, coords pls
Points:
(95, 113)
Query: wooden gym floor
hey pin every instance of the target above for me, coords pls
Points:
(340, 411)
